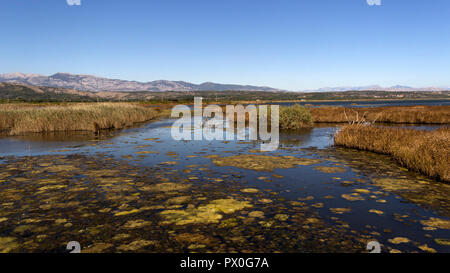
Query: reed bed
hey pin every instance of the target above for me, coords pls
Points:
(425, 151)
(388, 114)
(16, 119)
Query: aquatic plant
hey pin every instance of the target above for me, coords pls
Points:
(262, 162)
(210, 213)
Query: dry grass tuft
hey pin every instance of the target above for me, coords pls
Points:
(425, 151)
(18, 119)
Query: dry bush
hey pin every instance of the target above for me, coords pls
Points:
(295, 117)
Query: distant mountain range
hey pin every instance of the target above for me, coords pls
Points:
(396, 88)
(94, 83)
(11, 92)
(97, 84)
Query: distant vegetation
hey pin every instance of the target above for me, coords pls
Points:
(295, 117)
(425, 151)
(388, 114)
(18, 119)
(25, 93)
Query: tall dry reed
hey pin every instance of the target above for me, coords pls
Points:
(388, 114)
(20, 119)
(425, 151)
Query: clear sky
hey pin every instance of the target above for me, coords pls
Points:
(289, 44)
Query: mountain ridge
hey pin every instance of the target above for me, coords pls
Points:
(396, 88)
(85, 82)
(21, 92)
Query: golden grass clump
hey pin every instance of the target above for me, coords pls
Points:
(387, 114)
(20, 119)
(425, 151)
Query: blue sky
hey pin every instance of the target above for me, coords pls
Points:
(289, 44)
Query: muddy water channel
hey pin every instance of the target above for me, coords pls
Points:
(141, 191)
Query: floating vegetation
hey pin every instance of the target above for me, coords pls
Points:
(340, 210)
(385, 175)
(399, 240)
(178, 200)
(262, 162)
(133, 224)
(436, 223)
(250, 190)
(116, 207)
(363, 191)
(122, 213)
(379, 212)
(135, 246)
(205, 214)
(326, 169)
(353, 197)
(169, 163)
(256, 214)
(8, 244)
(147, 152)
(426, 248)
(393, 184)
(98, 248)
(443, 242)
(281, 217)
(166, 187)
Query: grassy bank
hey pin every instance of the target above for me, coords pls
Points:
(425, 151)
(18, 119)
(388, 114)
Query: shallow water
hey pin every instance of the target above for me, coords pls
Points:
(361, 195)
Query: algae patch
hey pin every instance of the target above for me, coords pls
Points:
(399, 240)
(262, 162)
(340, 210)
(8, 244)
(166, 187)
(436, 223)
(326, 169)
(392, 184)
(204, 214)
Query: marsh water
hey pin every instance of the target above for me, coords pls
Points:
(140, 190)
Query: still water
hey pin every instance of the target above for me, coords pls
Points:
(362, 194)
